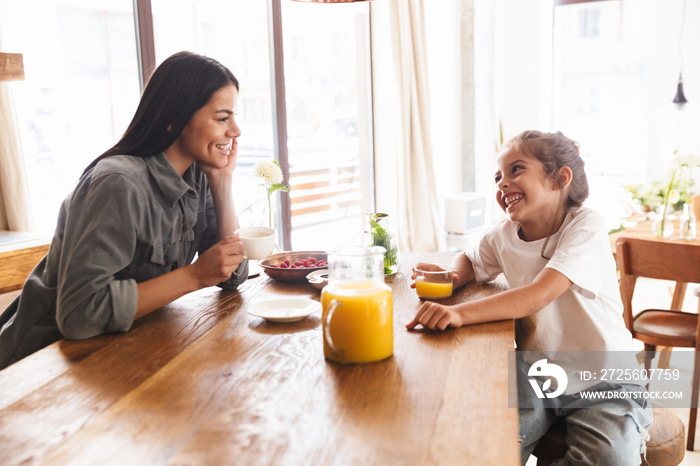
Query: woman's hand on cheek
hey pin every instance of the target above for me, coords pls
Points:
(216, 264)
(435, 317)
(232, 157)
(213, 172)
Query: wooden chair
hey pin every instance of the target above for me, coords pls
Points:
(663, 260)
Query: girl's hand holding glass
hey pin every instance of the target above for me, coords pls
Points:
(433, 281)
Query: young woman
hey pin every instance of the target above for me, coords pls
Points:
(127, 235)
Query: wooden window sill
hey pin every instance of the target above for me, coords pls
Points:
(19, 254)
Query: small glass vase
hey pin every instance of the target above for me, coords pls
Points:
(688, 222)
(382, 232)
(663, 226)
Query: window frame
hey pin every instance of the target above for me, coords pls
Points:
(145, 43)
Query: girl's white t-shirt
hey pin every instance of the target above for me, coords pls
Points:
(587, 316)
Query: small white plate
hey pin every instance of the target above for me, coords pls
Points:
(288, 309)
(318, 278)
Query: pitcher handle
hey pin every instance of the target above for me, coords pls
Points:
(327, 323)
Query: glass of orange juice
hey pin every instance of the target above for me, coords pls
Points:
(357, 307)
(434, 281)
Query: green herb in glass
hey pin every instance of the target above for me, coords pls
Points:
(381, 237)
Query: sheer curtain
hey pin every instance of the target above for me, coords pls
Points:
(15, 211)
(405, 179)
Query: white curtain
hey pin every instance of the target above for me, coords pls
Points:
(405, 179)
(15, 211)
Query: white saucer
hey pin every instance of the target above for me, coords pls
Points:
(318, 278)
(289, 309)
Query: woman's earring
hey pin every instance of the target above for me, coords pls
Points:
(169, 128)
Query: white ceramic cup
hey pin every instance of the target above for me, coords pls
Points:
(258, 242)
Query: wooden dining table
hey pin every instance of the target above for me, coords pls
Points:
(202, 382)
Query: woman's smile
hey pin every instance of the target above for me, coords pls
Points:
(224, 148)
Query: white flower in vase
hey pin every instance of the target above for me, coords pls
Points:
(271, 174)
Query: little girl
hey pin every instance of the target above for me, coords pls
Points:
(564, 296)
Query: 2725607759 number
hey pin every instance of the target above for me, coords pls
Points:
(626, 375)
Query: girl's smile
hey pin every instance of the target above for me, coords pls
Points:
(511, 199)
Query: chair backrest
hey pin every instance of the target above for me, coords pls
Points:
(663, 260)
(254, 214)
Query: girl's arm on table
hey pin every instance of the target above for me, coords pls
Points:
(512, 304)
(465, 270)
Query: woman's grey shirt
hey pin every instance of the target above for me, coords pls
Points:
(128, 220)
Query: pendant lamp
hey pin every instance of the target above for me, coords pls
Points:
(332, 1)
(679, 121)
(680, 95)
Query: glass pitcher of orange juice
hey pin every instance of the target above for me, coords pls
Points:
(358, 317)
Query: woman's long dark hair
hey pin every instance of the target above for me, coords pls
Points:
(180, 86)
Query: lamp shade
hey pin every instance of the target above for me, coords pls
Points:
(331, 1)
(680, 95)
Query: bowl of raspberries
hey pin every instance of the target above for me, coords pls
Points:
(294, 266)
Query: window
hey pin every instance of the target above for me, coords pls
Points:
(327, 117)
(600, 78)
(615, 65)
(82, 88)
(235, 33)
(79, 93)
(589, 19)
(327, 121)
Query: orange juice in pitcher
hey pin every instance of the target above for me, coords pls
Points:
(357, 307)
